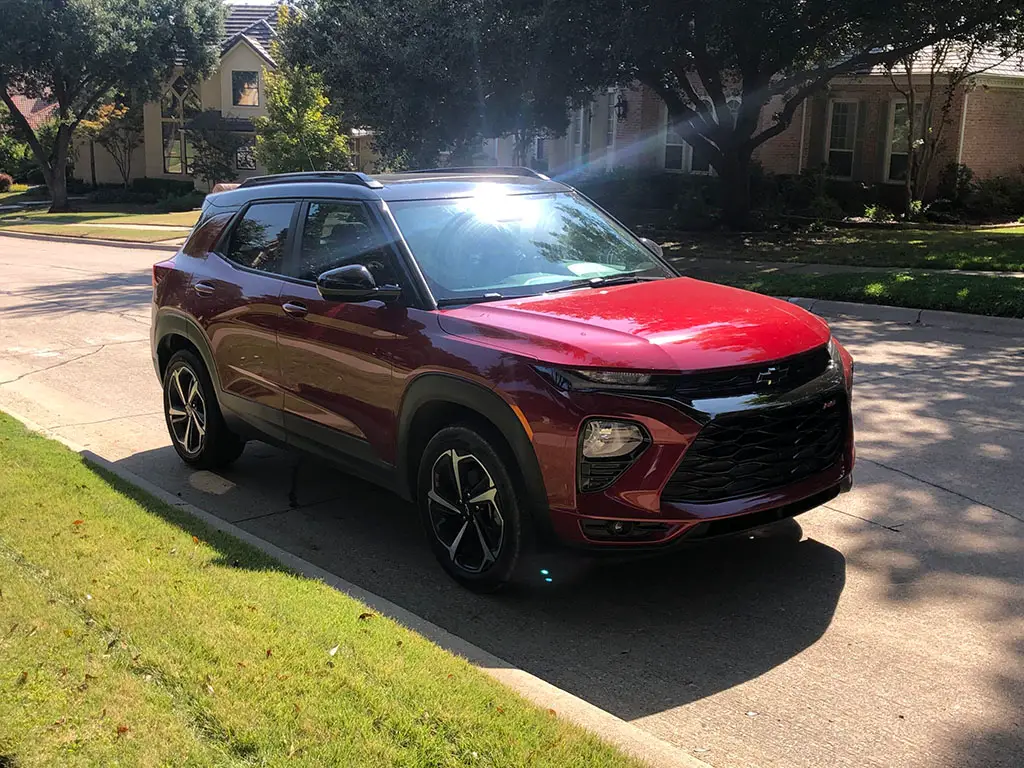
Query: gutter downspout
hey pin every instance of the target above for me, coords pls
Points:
(963, 127)
(803, 138)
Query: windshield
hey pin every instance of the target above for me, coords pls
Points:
(495, 245)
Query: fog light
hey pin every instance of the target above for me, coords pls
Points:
(604, 439)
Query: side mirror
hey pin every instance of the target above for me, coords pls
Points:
(652, 246)
(355, 283)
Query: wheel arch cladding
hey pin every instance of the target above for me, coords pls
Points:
(175, 332)
(434, 401)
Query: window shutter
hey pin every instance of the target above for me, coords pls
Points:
(817, 111)
(861, 172)
(882, 144)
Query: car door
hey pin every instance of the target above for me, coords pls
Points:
(234, 296)
(338, 385)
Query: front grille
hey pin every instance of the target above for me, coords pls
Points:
(742, 454)
(779, 376)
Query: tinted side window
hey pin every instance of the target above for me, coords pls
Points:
(258, 240)
(340, 233)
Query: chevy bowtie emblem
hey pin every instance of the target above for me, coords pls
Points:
(772, 376)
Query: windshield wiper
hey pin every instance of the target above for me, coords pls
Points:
(455, 300)
(601, 282)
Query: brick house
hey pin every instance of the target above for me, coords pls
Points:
(856, 128)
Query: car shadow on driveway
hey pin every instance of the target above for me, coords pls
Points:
(633, 637)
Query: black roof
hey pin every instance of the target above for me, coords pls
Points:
(390, 187)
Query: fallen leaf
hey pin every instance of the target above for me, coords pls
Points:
(242, 665)
(296, 707)
(268, 653)
(363, 616)
(333, 650)
(195, 539)
(23, 678)
(501, 710)
(450, 675)
(399, 643)
(552, 712)
(122, 730)
(77, 522)
(283, 677)
(209, 689)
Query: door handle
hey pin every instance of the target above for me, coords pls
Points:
(203, 288)
(295, 309)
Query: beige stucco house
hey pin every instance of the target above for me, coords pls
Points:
(235, 89)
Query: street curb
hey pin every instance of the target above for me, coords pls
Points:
(90, 241)
(627, 737)
(955, 321)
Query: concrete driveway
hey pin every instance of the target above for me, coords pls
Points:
(886, 629)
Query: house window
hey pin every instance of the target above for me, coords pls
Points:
(680, 156)
(610, 119)
(245, 88)
(245, 158)
(576, 132)
(178, 104)
(899, 132)
(842, 133)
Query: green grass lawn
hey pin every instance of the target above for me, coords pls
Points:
(977, 249)
(131, 634)
(996, 296)
(126, 234)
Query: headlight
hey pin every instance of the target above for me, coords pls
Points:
(589, 379)
(615, 378)
(607, 439)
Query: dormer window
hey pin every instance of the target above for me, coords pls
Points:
(245, 88)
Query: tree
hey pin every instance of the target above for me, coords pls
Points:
(213, 147)
(118, 129)
(300, 132)
(717, 64)
(930, 80)
(430, 77)
(81, 53)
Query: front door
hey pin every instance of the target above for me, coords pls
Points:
(339, 391)
(234, 294)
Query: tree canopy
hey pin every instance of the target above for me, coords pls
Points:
(301, 132)
(82, 53)
(430, 76)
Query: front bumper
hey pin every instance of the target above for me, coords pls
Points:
(636, 502)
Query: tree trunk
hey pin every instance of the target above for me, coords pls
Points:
(58, 181)
(734, 170)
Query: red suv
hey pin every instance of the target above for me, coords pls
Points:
(492, 345)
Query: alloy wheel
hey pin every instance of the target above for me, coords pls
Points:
(186, 410)
(464, 511)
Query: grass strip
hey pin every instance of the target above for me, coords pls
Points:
(126, 234)
(999, 250)
(132, 634)
(981, 295)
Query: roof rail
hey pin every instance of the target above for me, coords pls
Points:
(501, 170)
(338, 177)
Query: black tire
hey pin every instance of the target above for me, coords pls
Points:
(194, 421)
(469, 565)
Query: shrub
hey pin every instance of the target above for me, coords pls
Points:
(6, 182)
(999, 197)
(878, 214)
(162, 187)
(955, 183)
(118, 194)
(177, 203)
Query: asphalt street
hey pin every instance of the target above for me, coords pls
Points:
(884, 629)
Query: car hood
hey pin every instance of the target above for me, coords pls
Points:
(665, 325)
